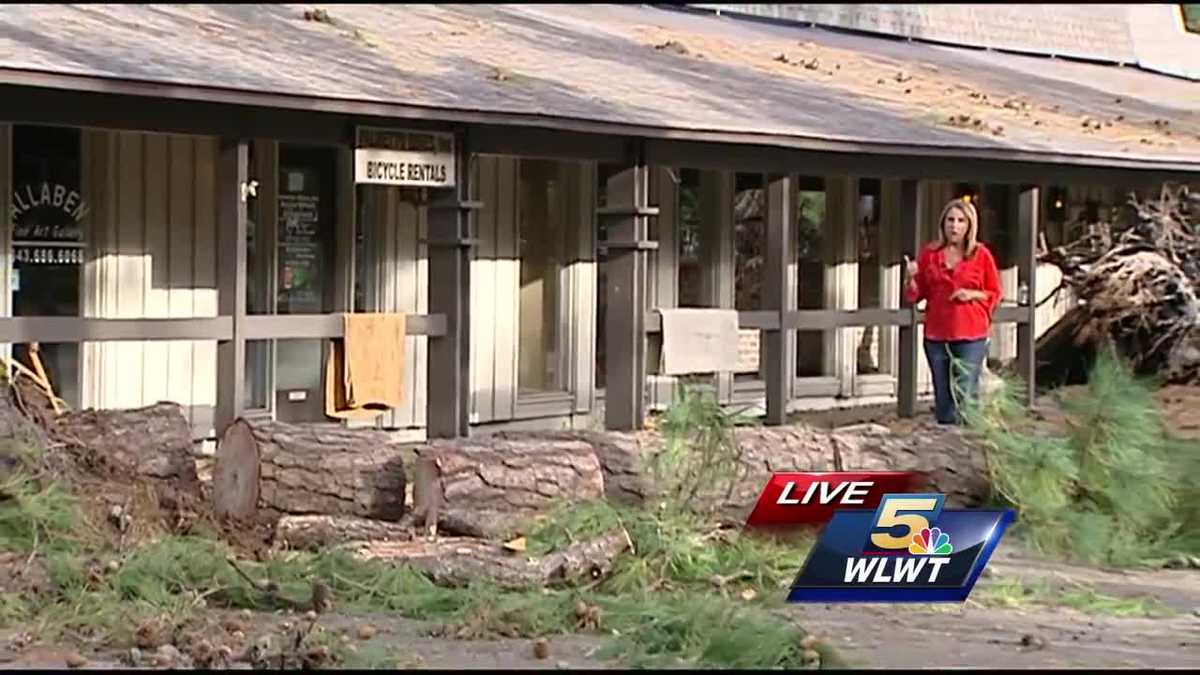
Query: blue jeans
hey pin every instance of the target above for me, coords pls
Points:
(955, 380)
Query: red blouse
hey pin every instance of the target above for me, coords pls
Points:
(947, 319)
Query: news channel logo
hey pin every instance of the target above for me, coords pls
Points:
(908, 549)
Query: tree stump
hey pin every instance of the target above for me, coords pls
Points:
(308, 469)
(488, 487)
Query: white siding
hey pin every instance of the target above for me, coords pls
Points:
(152, 254)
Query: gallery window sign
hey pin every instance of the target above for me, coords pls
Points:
(404, 158)
(47, 224)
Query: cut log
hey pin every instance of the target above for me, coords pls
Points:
(154, 441)
(316, 532)
(620, 455)
(291, 469)
(487, 487)
(459, 561)
(950, 463)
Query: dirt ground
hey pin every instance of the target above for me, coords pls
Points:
(867, 635)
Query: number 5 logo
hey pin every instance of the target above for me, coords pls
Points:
(912, 512)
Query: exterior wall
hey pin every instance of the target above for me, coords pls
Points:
(151, 255)
(398, 281)
(494, 280)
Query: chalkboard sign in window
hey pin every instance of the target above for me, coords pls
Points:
(305, 234)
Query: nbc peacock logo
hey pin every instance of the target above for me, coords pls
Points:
(930, 542)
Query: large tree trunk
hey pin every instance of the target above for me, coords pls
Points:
(308, 469)
(952, 464)
(487, 487)
(155, 442)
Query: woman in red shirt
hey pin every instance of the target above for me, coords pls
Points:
(957, 277)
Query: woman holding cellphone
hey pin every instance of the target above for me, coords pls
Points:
(956, 276)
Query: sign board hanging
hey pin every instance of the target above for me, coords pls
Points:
(404, 158)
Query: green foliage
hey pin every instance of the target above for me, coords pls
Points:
(14, 609)
(673, 550)
(1014, 594)
(34, 513)
(713, 632)
(700, 451)
(1116, 489)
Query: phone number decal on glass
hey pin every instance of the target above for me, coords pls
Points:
(50, 256)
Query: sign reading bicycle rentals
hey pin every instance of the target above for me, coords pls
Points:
(406, 158)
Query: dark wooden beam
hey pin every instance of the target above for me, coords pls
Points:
(628, 194)
(52, 329)
(1028, 209)
(999, 166)
(345, 201)
(910, 244)
(717, 254)
(451, 235)
(780, 368)
(325, 326)
(546, 143)
(233, 173)
(164, 115)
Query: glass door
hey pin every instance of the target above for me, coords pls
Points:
(304, 282)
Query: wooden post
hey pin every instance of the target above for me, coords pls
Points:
(910, 244)
(780, 370)
(841, 276)
(1027, 231)
(233, 174)
(343, 299)
(450, 239)
(625, 313)
(717, 254)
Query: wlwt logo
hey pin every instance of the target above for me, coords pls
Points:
(881, 542)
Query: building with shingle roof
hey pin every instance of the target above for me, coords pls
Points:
(515, 179)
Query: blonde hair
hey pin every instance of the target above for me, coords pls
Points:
(971, 240)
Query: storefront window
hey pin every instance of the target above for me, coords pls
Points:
(749, 233)
(869, 272)
(304, 275)
(810, 272)
(543, 226)
(691, 265)
(49, 218)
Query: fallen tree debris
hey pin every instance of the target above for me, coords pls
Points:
(308, 469)
(947, 459)
(315, 532)
(154, 442)
(485, 487)
(1138, 284)
(458, 561)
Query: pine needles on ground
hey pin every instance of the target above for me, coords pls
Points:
(1115, 489)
